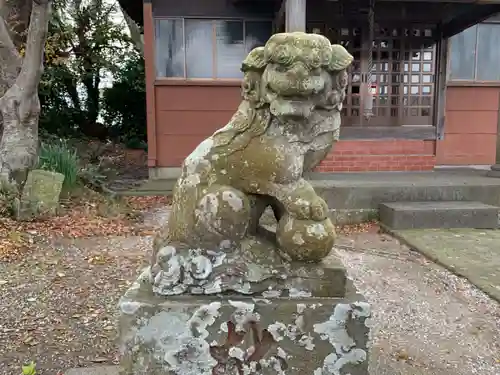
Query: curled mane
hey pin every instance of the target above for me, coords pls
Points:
(253, 115)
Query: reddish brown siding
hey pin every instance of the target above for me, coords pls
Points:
(380, 155)
(471, 126)
(185, 115)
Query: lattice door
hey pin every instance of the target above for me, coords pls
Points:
(403, 75)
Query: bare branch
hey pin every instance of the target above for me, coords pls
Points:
(135, 32)
(16, 14)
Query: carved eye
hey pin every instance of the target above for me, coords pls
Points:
(281, 68)
(247, 86)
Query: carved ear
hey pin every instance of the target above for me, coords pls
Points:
(254, 61)
(340, 58)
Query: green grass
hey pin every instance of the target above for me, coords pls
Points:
(59, 157)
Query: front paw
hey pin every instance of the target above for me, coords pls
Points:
(319, 209)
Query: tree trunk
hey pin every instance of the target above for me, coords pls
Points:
(135, 32)
(20, 105)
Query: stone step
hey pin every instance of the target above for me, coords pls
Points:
(448, 214)
(366, 191)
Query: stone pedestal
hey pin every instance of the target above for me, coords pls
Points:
(239, 334)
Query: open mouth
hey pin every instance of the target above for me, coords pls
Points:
(295, 97)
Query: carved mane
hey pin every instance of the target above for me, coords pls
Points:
(253, 116)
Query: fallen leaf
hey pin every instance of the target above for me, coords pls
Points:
(28, 339)
(402, 355)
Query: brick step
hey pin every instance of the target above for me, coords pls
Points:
(448, 214)
(376, 163)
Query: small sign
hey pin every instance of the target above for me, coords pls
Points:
(374, 90)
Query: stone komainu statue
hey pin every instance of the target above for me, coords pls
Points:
(225, 296)
(289, 117)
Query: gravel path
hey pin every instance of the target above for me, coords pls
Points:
(426, 321)
(58, 306)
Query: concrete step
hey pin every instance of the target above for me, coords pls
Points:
(423, 215)
(368, 190)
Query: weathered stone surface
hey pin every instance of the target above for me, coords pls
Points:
(242, 335)
(289, 118)
(243, 297)
(251, 268)
(40, 196)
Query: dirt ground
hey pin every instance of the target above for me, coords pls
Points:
(58, 305)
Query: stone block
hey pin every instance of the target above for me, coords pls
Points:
(234, 334)
(40, 196)
(425, 215)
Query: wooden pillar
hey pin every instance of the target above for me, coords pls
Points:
(295, 15)
(149, 62)
(440, 86)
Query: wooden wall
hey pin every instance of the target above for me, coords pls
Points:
(186, 114)
(470, 127)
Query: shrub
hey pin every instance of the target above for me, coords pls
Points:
(59, 157)
(124, 104)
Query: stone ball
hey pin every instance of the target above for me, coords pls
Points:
(223, 212)
(305, 240)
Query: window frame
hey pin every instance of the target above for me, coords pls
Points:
(495, 20)
(178, 81)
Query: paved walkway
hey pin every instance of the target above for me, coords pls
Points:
(470, 253)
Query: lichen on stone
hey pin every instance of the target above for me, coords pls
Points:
(335, 330)
(225, 294)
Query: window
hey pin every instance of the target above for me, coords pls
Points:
(475, 54)
(200, 48)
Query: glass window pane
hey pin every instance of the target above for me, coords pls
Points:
(257, 33)
(488, 53)
(199, 48)
(169, 54)
(463, 54)
(230, 49)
